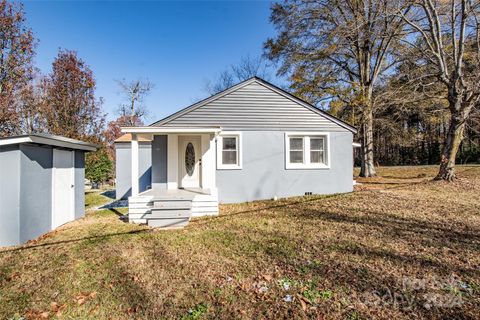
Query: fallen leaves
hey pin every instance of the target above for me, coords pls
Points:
(58, 309)
(36, 315)
(13, 276)
(83, 297)
(302, 303)
(132, 310)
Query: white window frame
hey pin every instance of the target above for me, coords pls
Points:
(306, 150)
(229, 134)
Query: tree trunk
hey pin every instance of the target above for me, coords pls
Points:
(367, 168)
(452, 143)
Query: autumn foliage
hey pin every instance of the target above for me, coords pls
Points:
(70, 108)
(16, 53)
(113, 131)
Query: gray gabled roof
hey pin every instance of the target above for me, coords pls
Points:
(245, 83)
(48, 139)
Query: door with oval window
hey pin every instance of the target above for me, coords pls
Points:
(189, 161)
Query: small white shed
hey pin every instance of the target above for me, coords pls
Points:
(41, 185)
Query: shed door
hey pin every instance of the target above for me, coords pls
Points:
(63, 189)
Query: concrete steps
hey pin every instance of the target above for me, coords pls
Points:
(170, 213)
(171, 208)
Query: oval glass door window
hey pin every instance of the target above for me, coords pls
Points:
(189, 159)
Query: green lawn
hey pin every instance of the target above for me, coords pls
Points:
(94, 198)
(401, 246)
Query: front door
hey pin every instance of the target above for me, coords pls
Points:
(189, 161)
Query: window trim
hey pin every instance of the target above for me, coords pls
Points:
(229, 134)
(306, 150)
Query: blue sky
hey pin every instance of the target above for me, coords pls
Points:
(177, 45)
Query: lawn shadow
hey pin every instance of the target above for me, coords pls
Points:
(286, 203)
(109, 194)
(115, 204)
(358, 268)
(76, 240)
(389, 183)
(400, 227)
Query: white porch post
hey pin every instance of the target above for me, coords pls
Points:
(172, 161)
(134, 174)
(208, 163)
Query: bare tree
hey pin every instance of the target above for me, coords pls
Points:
(134, 93)
(223, 80)
(447, 46)
(334, 49)
(247, 68)
(250, 67)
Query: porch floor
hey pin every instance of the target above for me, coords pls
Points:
(180, 194)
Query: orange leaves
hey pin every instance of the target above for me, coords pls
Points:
(16, 51)
(57, 309)
(132, 310)
(302, 303)
(12, 277)
(36, 315)
(81, 298)
(267, 277)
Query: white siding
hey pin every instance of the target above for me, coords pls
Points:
(255, 107)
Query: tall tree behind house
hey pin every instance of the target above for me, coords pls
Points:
(130, 113)
(134, 93)
(338, 50)
(247, 67)
(448, 51)
(71, 108)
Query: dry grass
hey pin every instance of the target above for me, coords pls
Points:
(413, 242)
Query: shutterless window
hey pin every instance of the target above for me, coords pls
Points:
(296, 149)
(230, 150)
(307, 151)
(317, 150)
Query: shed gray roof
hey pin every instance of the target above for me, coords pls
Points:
(48, 139)
(314, 110)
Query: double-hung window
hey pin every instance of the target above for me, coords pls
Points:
(297, 147)
(229, 151)
(306, 150)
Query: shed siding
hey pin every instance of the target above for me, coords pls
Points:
(9, 195)
(35, 191)
(123, 168)
(79, 184)
(257, 108)
(263, 175)
(26, 191)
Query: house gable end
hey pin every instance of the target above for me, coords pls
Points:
(255, 105)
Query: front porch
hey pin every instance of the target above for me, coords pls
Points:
(171, 208)
(189, 189)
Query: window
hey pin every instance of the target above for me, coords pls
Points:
(306, 150)
(296, 149)
(228, 151)
(317, 150)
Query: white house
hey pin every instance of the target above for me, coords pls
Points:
(252, 141)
